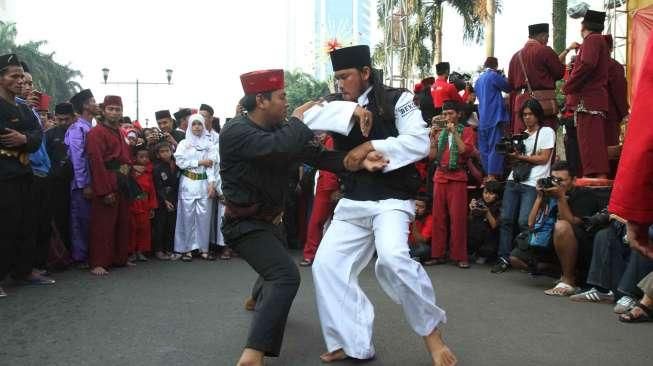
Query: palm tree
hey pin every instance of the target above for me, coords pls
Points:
(424, 28)
(49, 76)
(559, 25)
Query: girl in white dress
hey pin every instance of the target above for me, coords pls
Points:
(197, 157)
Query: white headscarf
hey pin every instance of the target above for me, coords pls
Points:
(201, 142)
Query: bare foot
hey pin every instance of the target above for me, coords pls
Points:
(251, 357)
(337, 355)
(444, 357)
(440, 353)
(99, 271)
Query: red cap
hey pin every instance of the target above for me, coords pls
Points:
(262, 81)
(112, 100)
(44, 102)
(418, 88)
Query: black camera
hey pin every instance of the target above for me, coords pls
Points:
(511, 144)
(477, 207)
(548, 182)
(596, 222)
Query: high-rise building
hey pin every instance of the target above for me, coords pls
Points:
(347, 21)
(311, 24)
(7, 11)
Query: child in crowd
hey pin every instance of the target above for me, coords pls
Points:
(141, 210)
(419, 239)
(483, 226)
(166, 182)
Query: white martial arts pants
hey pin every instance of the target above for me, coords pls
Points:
(346, 314)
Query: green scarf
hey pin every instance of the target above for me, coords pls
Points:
(453, 149)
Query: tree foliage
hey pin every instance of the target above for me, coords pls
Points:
(49, 76)
(424, 29)
(302, 87)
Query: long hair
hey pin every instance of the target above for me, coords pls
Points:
(535, 107)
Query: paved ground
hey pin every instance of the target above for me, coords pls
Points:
(191, 314)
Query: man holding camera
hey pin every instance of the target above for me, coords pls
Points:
(531, 161)
(571, 240)
(492, 115)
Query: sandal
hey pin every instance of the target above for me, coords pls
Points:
(435, 262)
(643, 315)
(187, 257)
(562, 289)
(463, 265)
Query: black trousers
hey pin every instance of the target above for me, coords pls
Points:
(261, 244)
(16, 246)
(41, 210)
(481, 239)
(163, 230)
(60, 203)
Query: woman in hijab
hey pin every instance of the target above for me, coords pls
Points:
(197, 157)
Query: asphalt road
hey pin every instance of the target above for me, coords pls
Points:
(191, 314)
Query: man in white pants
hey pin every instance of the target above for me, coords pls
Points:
(373, 215)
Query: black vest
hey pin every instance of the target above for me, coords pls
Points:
(402, 183)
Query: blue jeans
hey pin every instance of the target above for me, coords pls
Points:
(517, 203)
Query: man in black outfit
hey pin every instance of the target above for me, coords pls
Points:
(61, 170)
(20, 134)
(255, 152)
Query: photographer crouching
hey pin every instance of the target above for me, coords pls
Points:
(572, 234)
(531, 159)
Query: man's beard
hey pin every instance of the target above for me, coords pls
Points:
(420, 216)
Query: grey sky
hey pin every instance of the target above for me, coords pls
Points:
(210, 43)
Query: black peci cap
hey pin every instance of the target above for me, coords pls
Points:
(351, 57)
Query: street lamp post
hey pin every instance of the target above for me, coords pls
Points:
(138, 83)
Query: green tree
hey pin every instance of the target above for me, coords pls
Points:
(424, 28)
(302, 87)
(49, 76)
(559, 25)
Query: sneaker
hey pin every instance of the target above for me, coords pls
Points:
(132, 258)
(141, 257)
(624, 305)
(501, 266)
(175, 256)
(593, 295)
(2, 293)
(162, 256)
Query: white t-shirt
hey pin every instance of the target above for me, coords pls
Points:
(546, 140)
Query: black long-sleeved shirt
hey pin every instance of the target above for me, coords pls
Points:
(19, 118)
(254, 160)
(166, 182)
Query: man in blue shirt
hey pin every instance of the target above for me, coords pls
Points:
(492, 115)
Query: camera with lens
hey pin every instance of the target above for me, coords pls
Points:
(511, 144)
(548, 182)
(478, 206)
(596, 222)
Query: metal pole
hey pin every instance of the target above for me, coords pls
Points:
(137, 116)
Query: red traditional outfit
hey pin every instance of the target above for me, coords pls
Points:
(587, 94)
(450, 202)
(109, 227)
(140, 233)
(618, 101)
(424, 226)
(543, 69)
(443, 90)
(632, 193)
(323, 206)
